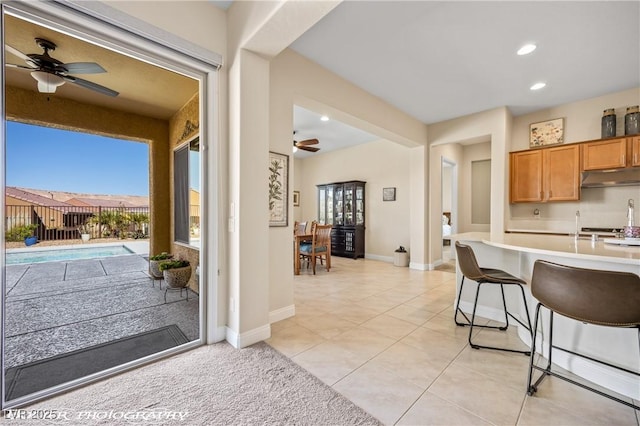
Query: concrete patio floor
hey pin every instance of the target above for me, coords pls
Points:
(57, 307)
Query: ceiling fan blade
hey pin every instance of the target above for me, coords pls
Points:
(18, 66)
(83, 68)
(17, 53)
(309, 148)
(92, 86)
(307, 142)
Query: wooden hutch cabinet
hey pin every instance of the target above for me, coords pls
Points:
(342, 205)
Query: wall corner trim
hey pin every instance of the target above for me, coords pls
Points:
(248, 338)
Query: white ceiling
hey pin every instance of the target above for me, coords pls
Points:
(441, 60)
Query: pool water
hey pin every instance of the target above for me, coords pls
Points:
(65, 254)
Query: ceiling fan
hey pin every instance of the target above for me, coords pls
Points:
(51, 73)
(304, 145)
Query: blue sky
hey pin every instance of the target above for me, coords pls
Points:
(59, 160)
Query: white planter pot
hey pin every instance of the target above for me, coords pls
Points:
(85, 237)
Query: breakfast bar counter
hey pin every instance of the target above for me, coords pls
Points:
(516, 254)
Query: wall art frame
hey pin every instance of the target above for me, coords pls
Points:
(549, 132)
(389, 194)
(278, 189)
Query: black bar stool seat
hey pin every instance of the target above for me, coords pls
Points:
(470, 269)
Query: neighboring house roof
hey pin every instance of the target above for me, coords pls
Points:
(97, 202)
(60, 198)
(32, 198)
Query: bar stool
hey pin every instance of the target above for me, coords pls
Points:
(605, 298)
(470, 269)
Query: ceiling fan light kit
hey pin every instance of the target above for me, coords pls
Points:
(47, 82)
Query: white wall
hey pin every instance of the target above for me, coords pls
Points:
(599, 207)
(381, 164)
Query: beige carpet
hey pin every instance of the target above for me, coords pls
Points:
(211, 385)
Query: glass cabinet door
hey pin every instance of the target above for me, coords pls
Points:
(348, 204)
(322, 205)
(360, 205)
(338, 206)
(329, 198)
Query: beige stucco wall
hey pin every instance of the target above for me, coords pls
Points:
(179, 133)
(36, 108)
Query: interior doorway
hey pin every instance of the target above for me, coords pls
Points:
(449, 205)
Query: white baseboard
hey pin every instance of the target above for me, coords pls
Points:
(248, 338)
(421, 266)
(282, 313)
(388, 259)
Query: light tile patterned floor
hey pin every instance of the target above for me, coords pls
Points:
(384, 337)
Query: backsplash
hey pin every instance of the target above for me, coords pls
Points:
(599, 208)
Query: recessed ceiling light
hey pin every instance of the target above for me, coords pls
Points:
(526, 49)
(538, 86)
(324, 118)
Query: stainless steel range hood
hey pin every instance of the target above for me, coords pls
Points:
(620, 177)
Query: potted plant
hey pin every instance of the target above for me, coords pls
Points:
(154, 264)
(176, 274)
(85, 231)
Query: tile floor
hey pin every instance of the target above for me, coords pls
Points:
(384, 337)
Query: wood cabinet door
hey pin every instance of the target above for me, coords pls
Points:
(635, 151)
(526, 176)
(561, 179)
(602, 155)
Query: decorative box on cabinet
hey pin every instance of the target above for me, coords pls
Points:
(342, 204)
(546, 174)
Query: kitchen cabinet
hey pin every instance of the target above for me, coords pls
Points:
(546, 174)
(634, 144)
(604, 154)
(342, 204)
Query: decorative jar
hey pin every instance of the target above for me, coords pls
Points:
(632, 120)
(608, 123)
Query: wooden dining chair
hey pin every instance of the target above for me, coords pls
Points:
(320, 246)
(300, 228)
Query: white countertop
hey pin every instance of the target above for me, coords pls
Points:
(559, 245)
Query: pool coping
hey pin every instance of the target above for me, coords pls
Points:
(140, 248)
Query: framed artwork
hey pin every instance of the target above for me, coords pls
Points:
(296, 198)
(388, 194)
(546, 132)
(278, 189)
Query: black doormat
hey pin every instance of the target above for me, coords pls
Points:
(35, 376)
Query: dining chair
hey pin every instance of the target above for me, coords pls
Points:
(320, 246)
(300, 228)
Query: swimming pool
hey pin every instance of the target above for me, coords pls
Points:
(65, 254)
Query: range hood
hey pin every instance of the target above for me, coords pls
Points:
(619, 177)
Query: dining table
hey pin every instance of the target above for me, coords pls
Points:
(297, 239)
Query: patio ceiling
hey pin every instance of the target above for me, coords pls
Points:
(144, 89)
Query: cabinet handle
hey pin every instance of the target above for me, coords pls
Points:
(635, 158)
(624, 163)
